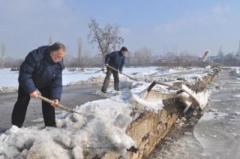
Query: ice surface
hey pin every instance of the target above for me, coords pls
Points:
(237, 95)
(213, 115)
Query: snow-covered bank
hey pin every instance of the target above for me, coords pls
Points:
(9, 80)
(100, 128)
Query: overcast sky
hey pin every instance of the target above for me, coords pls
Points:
(162, 25)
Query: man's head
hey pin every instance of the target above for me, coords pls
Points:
(57, 51)
(124, 51)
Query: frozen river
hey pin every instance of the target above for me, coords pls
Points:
(217, 134)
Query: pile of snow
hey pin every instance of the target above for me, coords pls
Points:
(100, 128)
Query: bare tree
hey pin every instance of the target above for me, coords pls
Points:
(80, 56)
(220, 52)
(107, 37)
(2, 55)
(50, 41)
(143, 57)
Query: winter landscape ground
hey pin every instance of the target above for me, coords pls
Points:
(103, 121)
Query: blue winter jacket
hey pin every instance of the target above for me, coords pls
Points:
(116, 60)
(39, 71)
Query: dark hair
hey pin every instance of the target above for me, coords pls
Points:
(124, 49)
(56, 46)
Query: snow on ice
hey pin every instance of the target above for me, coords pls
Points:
(213, 116)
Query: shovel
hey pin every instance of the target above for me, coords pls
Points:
(132, 78)
(60, 106)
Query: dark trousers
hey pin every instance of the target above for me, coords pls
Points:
(107, 80)
(20, 108)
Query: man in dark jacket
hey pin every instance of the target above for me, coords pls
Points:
(114, 63)
(41, 72)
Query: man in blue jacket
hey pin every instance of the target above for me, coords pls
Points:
(116, 61)
(41, 72)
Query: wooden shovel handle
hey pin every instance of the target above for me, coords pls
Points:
(132, 78)
(60, 106)
(49, 101)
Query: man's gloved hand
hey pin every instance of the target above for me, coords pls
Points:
(55, 102)
(35, 94)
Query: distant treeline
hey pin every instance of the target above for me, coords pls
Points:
(141, 57)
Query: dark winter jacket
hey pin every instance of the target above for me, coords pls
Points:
(39, 71)
(116, 60)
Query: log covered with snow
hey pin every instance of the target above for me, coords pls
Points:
(150, 128)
